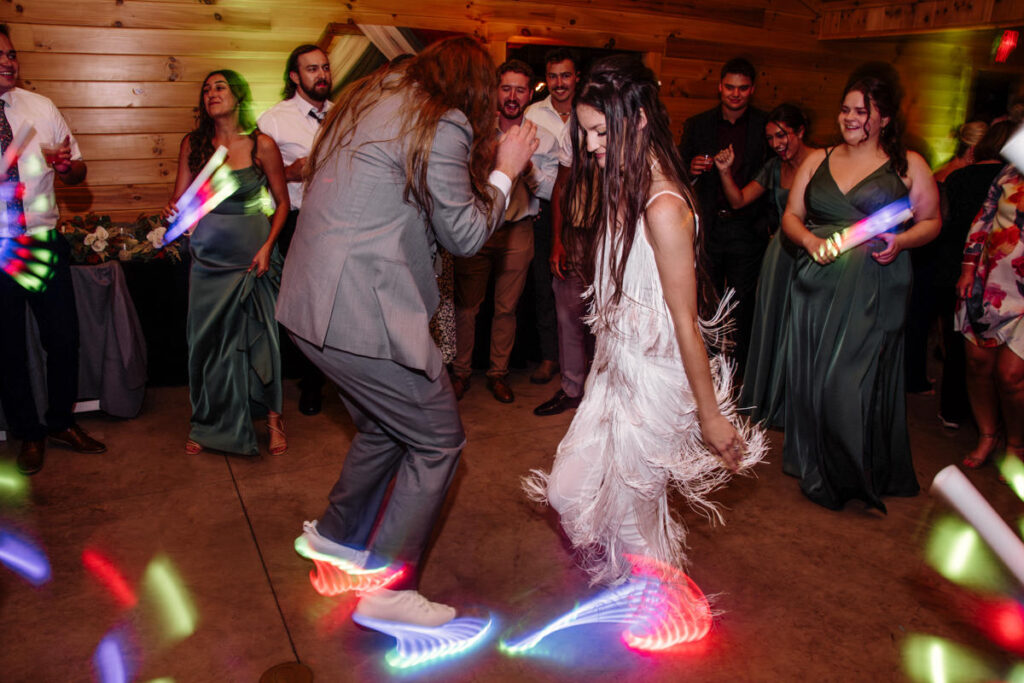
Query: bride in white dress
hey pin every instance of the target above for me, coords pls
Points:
(658, 411)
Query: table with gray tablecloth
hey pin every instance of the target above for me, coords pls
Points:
(112, 349)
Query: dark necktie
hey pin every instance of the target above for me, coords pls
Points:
(14, 213)
(317, 115)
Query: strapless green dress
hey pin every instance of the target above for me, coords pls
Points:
(845, 412)
(234, 359)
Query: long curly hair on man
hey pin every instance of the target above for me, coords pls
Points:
(620, 87)
(200, 140)
(455, 73)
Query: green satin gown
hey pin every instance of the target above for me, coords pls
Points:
(764, 380)
(845, 412)
(234, 359)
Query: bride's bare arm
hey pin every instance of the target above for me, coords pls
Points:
(670, 230)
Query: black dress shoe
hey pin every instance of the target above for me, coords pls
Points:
(500, 389)
(30, 459)
(559, 403)
(310, 401)
(75, 438)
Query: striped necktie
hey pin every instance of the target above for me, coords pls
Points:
(13, 223)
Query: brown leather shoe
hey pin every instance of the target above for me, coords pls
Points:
(30, 459)
(460, 385)
(501, 390)
(544, 372)
(75, 438)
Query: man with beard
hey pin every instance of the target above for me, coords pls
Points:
(735, 238)
(508, 251)
(293, 124)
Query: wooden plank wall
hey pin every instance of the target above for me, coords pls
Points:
(126, 73)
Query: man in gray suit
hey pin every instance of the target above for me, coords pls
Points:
(402, 164)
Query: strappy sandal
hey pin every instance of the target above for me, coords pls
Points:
(974, 460)
(277, 431)
(193, 448)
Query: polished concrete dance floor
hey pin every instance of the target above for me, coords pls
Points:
(802, 593)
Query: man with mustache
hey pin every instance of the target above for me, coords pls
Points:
(735, 239)
(35, 213)
(509, 250)
(293, 124)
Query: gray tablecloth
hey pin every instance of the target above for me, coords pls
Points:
(112, 349)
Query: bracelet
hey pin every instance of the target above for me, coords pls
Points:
(969, 263)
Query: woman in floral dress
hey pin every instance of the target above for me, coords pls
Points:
(991, 317)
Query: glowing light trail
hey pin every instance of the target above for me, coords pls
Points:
(167, 589)
(883, 220)
(109, 661)
(108, 575)
(418, 645)
(24, 558)
(211, 186)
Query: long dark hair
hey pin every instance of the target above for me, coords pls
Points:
(454, 73)
(879, 83)
(792, 116)
(620, 87)
(201, 138)
(291, 65)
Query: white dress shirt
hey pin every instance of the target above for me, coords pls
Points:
(25, 108)
(541, 178)
(292, 127)
(545, 115)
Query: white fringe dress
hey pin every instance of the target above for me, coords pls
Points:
(635, 434)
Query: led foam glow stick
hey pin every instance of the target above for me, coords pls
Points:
(421, 644)
(1012, 470)
(883, 220)
(28, 259)
(661, 605)
(1013, 150)
(14, 149)
(211, 186)
(951, 485)
(23, 557)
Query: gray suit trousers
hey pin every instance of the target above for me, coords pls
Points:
(408, 430)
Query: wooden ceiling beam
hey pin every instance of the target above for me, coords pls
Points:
(855, 19)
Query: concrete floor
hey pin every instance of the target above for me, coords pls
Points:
(804, 593)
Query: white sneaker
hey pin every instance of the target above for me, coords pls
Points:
(406, 607)
(313, 546)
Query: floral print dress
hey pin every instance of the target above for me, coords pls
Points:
(993, 315)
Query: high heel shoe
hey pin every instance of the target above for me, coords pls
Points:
(978, 457)
(276, 432)
(193, 448)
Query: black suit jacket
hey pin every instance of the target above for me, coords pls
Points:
(700, 136)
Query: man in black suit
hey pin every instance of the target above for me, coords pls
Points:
(735, 240)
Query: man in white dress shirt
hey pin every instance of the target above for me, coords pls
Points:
(552, 114)
(509, 251)
(54, 308)
(293, 124)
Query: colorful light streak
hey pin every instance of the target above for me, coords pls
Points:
(28, 259)
(168, 591)
(1016, 674)
(956, 551)
(107, 574)
(15, 148)
(883, 220)
(13, 484)
(928, 659)
(419, 645)
(211, 186)
(1003, 622)
(660, 604)
(1012, 470)
(109, 661)
(328, 580)
(24, 558)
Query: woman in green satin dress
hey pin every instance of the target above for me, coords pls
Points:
(764, 380)
(234, 360)
(845, 414)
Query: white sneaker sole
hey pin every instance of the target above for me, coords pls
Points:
(420, 644)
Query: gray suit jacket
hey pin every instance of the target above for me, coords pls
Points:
(359, 276)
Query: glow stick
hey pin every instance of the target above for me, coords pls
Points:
(187, 214)
(15, 148)
(107, 574)
(165, 586)
(421, 644)
(951, 485)
(23, 557)
(1013, 150)
(109, 661)
(883, 220)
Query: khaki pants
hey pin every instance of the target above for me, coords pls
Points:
(508, 252)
